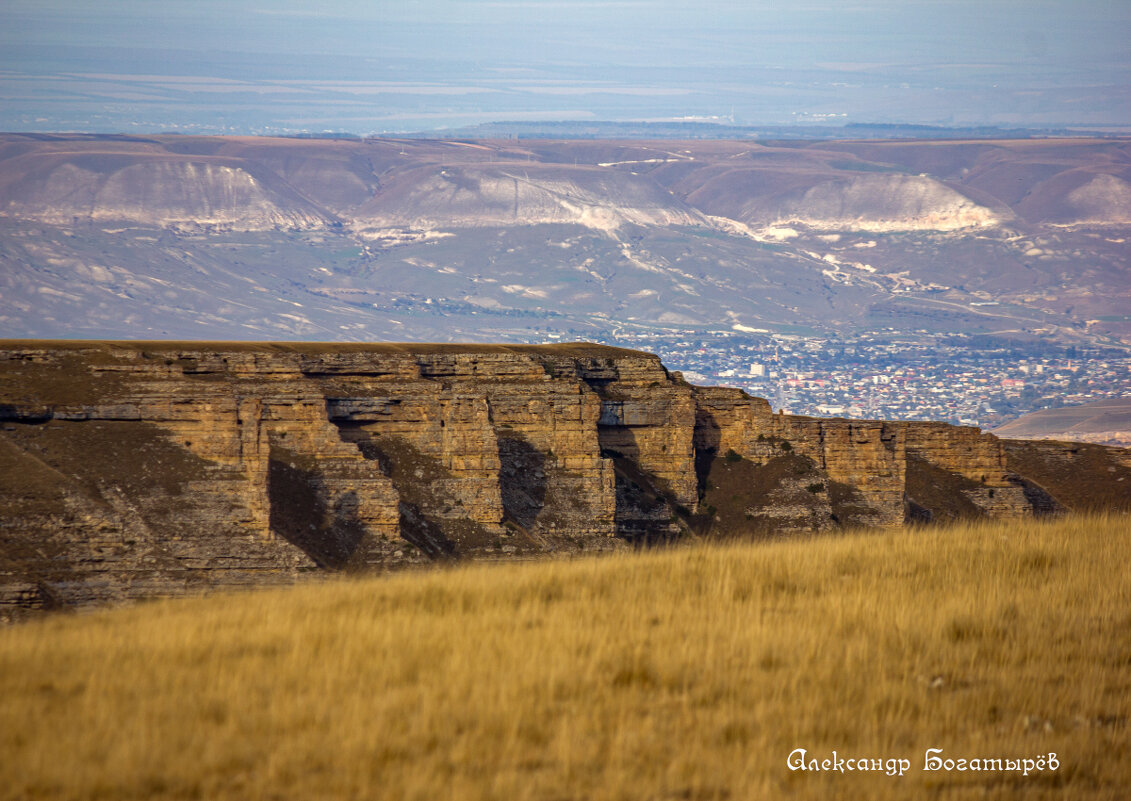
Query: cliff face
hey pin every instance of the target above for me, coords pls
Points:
(504, 193)
(133, 469)
(157, 189)
(870, 203)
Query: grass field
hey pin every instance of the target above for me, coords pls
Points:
(687, 673)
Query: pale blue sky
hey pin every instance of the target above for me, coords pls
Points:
(368, 67)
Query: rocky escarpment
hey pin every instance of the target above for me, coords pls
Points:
(504, 194)
(133, 469)
(264, 183)
(878, 203)
(157, 189)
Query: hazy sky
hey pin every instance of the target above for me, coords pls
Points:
(367, 67)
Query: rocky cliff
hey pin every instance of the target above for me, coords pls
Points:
(132, 469)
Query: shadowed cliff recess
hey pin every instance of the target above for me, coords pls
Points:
(133, 469)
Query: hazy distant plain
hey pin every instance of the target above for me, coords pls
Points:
(364, 68)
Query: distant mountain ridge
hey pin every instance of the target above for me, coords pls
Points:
(308, 182)
(374, 239)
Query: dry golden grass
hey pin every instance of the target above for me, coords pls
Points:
(686, 674)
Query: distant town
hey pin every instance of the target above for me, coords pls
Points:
(966, 380)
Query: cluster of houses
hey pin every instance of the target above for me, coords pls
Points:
(894, 378)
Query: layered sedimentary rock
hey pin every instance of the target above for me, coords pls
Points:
(133, 469)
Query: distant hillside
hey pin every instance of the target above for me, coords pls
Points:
(506, 240)
(1107, 422)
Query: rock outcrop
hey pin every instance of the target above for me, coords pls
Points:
(505, 194)
(156, 189)
(133, 469)
(879, 203)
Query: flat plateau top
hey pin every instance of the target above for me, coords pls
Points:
(583, 350)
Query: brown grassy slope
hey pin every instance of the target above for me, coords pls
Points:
(1081, 477)
(686, 673)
